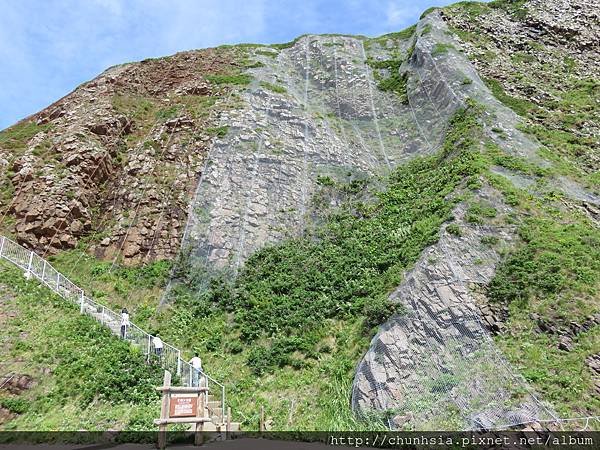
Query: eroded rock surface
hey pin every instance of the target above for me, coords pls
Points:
(116, 160)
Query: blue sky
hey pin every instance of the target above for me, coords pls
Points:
(48, 47)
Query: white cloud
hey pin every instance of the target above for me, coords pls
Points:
(398, 13)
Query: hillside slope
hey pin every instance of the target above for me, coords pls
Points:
(433, 191)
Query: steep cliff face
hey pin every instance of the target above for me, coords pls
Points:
(443, 336)
(240, 160)
(115, 161)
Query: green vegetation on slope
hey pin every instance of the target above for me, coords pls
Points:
(391, 79)
(555, 275)
(289, 330)
(287, 333)
(273, 87)
(557, 263)
(85, 377)
(560, 104)
(16, 137)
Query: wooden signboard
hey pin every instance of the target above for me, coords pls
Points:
(183, 406)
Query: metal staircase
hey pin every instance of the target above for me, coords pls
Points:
(170, 359)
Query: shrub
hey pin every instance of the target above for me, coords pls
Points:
(489, 240)
(273, 87)
(237, 79)
(378, 311)
(15, 405)
(454, 229)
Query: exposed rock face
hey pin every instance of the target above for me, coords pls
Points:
(593, 362)
(118, 159)
(17, 383)
(517, 49)
(331, 120)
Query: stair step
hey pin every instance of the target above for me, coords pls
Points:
(210, 426)
(216, 414)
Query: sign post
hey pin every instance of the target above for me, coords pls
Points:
(181, 405)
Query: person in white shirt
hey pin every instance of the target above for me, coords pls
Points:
(124, 323)
(196, 364)
(158, 345)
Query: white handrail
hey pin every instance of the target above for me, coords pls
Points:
(169, 358)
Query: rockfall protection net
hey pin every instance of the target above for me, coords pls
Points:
(444, 374)
(430, 369)
(437, 366)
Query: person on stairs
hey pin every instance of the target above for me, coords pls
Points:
(196, 364)
(124, 323)
(158, 345)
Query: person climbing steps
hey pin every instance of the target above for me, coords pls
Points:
(157, 343)
(196, 364)
(124, 323)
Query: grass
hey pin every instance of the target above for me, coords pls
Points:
(562, 378)
(479, 212)
(217, 131)
(518, 105)
(241, 79)
(97, 382)
(555, 271)
(395, 38)
(441, 49)
(136, 289)
(17, 136)
(273, 87)
(392, 80)
(164, 114)
(270, 54)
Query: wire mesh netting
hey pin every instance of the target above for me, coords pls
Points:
(443, 374)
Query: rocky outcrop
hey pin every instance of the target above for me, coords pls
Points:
(116, 160)
(593, 362)
(438, 356)
(16, 384)
(516, 48)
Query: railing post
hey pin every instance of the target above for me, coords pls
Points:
(28, 273)
(70, 293)
(44, 272)
(223, 402)
(148, 352)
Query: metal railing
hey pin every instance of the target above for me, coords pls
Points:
(169, 358)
